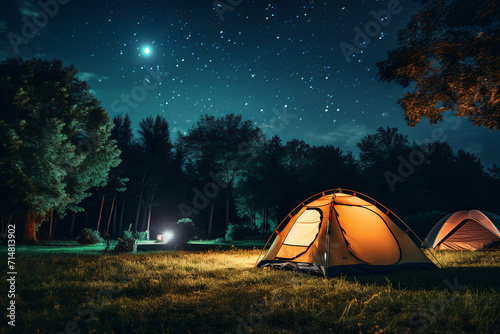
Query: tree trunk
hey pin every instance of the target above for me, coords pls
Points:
(50, 223)
(149, 220)
(140, 199)
(100, 214)
(29, 232)
(121, 216)
(4, 228)
(150, 207)
(113, 230)
(110, 214)
(254, 227)
(227, 209)
(211, 220)
(72, 225)
(143, 225)
(54, 227)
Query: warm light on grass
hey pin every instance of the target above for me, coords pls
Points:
(209, 291)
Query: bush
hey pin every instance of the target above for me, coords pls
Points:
(235, 232)
(135, 235)
(183, 231)
(89, 237)
(127, 234)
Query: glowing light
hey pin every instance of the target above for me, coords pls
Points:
(167, 236)
(146, 50)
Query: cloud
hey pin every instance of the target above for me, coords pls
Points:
(87, 76)
(475, 148)
(345, 136)
(28, 9)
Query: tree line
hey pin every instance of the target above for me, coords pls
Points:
(66, 165)
(225, 171)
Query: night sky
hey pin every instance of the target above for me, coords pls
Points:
(260, 59)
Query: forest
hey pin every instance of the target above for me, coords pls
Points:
(69, 168)
(224, 171)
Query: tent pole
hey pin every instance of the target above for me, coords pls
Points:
(327, 253)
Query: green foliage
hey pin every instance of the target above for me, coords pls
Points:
(183, 230)
(236, 232)
(225, 146)
(135, 235)
(89, 236)
(144, 235)
(449, 53)
(55, 138)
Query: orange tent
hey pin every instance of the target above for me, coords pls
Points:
(466, 230)
(342, 231)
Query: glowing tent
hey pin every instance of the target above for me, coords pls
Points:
(466, 230)
(341, 231)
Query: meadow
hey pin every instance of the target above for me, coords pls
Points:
(219, 291)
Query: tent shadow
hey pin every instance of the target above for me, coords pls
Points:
(480, 278)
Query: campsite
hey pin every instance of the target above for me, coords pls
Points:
(219, 291)
(250, 166)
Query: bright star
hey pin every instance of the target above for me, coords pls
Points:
(146, 51)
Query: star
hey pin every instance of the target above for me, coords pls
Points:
(146, 50)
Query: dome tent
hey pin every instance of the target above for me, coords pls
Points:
(342, 231)
(465, 230)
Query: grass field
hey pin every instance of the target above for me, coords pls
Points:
(219, 291)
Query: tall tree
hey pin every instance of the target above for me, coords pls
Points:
(122, 133)
(56, 142)
(155, 144)
(386, 170)
(224, 145)
(260, 191)
(449, 52)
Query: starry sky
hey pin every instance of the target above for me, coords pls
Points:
(278, 63)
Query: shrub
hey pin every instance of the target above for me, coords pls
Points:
(135, 235)
(127, 234)
(183, 231)
(235, 232)
(89, 236)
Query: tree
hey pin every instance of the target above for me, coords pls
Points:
(55, 140)
(122, 133)
(449, 51)
(223, 146)
(155, 144)
(382, 148)
(387, 172)
(261, 187)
